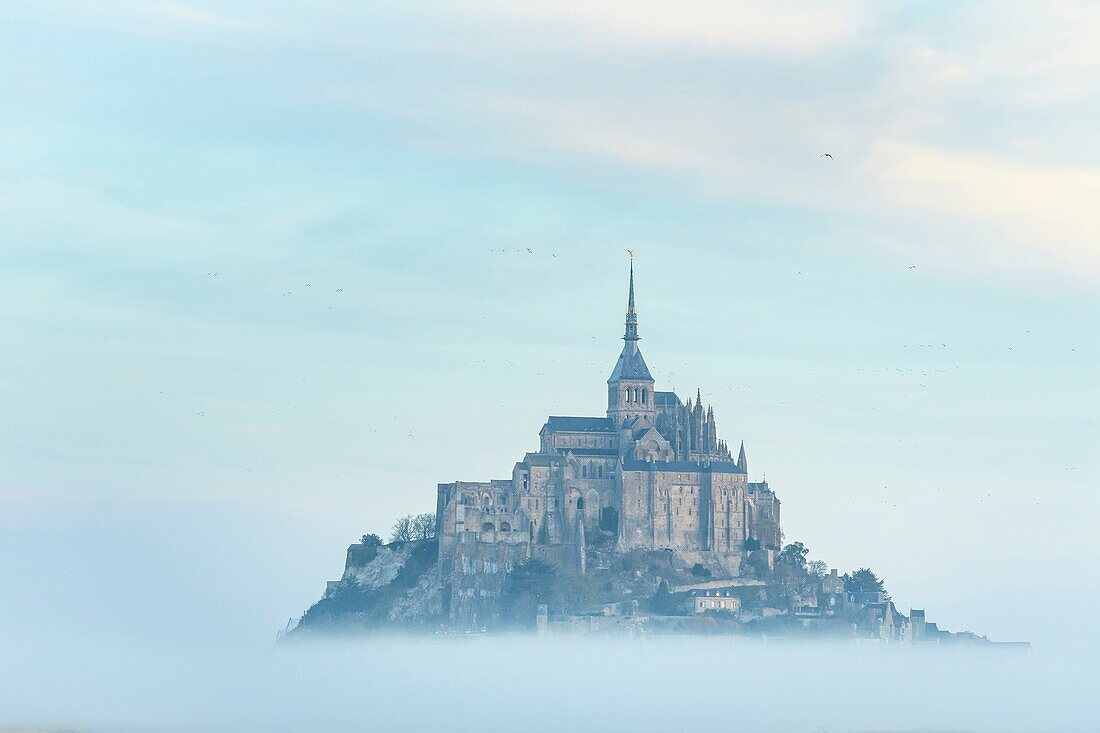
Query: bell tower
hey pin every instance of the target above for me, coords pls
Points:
(630, 387)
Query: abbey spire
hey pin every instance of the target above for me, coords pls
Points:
(630, 387)
(631, 333)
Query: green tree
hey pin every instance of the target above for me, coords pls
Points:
(792, 574)
(698, 571)
(864, 581)
(794, 555)
(371, 540)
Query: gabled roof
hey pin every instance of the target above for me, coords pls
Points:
(591, 451)
(541, 459)
(570, 424)
(666, 399)
(630, 365)
(640, 433)
(683, 466)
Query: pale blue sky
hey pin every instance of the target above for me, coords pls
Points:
(905, 335)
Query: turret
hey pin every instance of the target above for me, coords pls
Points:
(712, 431)
(742, 463)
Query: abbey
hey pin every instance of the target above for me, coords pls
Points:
(651, 473)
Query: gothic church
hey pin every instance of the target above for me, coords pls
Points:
(651, 473)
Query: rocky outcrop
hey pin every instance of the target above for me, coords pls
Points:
(389, 587)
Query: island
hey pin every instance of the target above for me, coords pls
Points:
(638, 521)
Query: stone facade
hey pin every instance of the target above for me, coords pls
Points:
(650, 473)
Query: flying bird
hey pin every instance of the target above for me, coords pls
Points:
(827, 155)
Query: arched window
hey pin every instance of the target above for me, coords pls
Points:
(505, 527)
(580, 504)
(644, 397)
(486, 501)
(584, 471)
(488, 527)
(600, 470)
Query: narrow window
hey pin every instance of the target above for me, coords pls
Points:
(644, 396)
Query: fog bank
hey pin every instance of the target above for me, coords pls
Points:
(532, 684)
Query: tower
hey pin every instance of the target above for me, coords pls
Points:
(630, 387)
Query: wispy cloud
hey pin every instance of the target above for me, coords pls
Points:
(1050, 210)
(974, 112)
(188, 14)
(788, 26)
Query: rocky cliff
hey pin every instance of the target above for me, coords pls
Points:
(386, 587)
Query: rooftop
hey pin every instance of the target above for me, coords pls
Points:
(666, 399)
(685, 466)
(590, 451)
(630, 365)
(572, 424)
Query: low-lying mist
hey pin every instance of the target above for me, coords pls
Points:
(525, 683)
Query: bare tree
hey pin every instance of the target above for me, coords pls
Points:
(402, 529)
(423, 526)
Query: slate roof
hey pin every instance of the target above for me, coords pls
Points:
(630, 365)
(666, 399)
(685, 466)
(570, 424)
(539, 459)
(591, 451)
